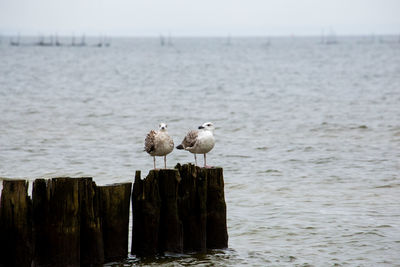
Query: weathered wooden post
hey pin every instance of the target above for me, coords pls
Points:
(69, 222)
(157, 227)
(114, 206)
(217, 232)
(15, 224)
(63, 229)
(170, 231)
(179, 210)
(146, 205)
(193, 207)
(66, 213)
(40, 223)
(91, 238)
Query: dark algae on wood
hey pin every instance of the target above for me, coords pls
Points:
(179, 210)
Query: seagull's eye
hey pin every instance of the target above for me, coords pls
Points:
(208, 124)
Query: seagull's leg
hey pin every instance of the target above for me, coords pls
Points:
(205, 162)
(195, 159)
(154, 162)
(165, 162)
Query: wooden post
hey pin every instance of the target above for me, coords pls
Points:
(179, 210)
(156, 224)
(146, 205)
(217, 233)
(193, 207)
(114, 206)
(15, 224)
(170, 231)
(40, 223)
(79, 197)
(63, 229)
(91, 238)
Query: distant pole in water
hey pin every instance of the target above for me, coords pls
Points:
(40, 40)
(57, 41)
(169, 40)
(106, 41)
(162, 41)
(331, 38)
(82, 43)
(101, 41)
(15, 43)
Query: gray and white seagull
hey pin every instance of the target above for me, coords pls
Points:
(159, 143)
(199, 141)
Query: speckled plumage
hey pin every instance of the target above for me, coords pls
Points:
(190, 139)
(199, 142)
(149, 142)
(159, 143)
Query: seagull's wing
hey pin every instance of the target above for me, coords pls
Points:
(171, 142)
(190, 139)
(149, 142)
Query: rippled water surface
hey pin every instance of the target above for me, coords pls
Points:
(308, 135)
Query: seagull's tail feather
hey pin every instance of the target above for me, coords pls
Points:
(180, 147)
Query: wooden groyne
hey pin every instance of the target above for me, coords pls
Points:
(74, 222)
(67, 222)
(177, 211)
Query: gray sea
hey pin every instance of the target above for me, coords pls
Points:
(308, 134)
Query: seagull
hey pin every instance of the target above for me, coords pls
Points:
(159, 143)
(199, 142)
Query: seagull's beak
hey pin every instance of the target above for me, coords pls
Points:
(201, 127)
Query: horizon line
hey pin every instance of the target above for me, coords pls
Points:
(228, 35)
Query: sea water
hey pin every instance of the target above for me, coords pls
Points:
(308, 134)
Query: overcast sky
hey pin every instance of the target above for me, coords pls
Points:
(200, 17)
